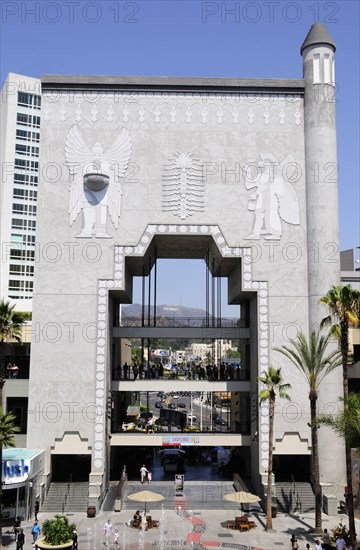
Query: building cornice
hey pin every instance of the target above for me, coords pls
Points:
(172, 84)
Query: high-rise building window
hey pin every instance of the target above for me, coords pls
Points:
(29, 100)
(26, 135)
(21, 149)
(28, 120)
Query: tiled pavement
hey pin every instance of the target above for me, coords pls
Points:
(196, 525)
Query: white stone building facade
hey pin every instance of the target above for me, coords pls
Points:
(240, 172)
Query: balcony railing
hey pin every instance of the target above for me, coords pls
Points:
(236, 374)
(183, 322)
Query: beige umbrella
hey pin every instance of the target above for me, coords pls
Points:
(241, 497)
(146, 496)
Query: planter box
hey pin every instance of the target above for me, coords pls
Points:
(42, 546)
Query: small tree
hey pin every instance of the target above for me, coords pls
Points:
(11, 323)
(313, 361)
(347, 423)
(7, 431)
(273, 382)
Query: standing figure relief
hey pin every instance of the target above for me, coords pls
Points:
(274, 199)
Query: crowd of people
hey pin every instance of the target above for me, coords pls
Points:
(191, 371)
(323, 544)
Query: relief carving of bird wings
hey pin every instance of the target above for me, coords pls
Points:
(77, 154)
(286, 194)
(118, 157)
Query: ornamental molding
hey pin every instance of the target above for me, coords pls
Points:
(216, 110)
(118, 282)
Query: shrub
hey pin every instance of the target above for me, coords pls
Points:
(58, 531)
(339, 530)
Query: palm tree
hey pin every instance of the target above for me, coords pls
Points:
(273, 382)
(343, 303)
(7, 431)
(11, 323)
(347, 423)
(311, 359)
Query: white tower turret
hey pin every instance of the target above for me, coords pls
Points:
(322, 223)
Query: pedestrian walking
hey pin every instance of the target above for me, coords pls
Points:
(149, 476)
(20, 539)
(116, 538)
(318, 545)
(108, 529)
(143, 472)
(35, 531)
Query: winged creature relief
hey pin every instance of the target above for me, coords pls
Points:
(274, 199)
(95, 187)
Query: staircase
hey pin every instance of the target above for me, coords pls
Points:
(66, 497)
(294, 497)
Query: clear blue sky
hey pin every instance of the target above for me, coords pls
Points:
(259, 39)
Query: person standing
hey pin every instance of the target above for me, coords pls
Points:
(149, 476)
(135, 370)
(36, 509)
(143, 472)
(340, 543)
(318, 545)
(126, 371)
(17, 525)
(35, 531)
(74, 541)
(326, 540)
(20, 539)
(108, 529)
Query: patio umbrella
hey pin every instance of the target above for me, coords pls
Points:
(146, 496)
(241, 497)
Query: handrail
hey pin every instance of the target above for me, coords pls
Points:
(67, 494)
(296, 494)
(69, 483)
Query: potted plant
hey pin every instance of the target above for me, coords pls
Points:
(57, 533)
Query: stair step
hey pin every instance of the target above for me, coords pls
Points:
(291, 499)
(77, 496)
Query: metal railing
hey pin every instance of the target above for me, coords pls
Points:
(297, 499)
(181, 322)
(67, 494)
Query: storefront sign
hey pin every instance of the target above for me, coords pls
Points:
(15, 471)
(176, 440)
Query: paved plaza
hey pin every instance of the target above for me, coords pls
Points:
(202, 526)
